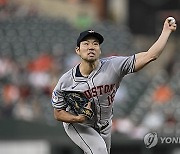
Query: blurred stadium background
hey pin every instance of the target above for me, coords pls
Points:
(37, 41)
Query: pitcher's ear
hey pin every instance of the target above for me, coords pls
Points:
(77, 50)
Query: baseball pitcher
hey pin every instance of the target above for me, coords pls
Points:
(83, 97)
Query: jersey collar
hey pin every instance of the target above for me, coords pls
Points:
(81, 78)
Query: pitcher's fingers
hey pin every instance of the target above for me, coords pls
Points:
(89, 105)
(173, 27)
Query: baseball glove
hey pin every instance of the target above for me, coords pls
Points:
(78, 102)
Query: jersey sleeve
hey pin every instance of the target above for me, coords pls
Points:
(124, 65)
(57, 99)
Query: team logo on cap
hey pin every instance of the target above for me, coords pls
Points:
(91, 31)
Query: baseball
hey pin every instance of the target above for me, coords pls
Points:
(171, 20)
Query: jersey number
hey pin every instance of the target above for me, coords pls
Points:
(111, 97)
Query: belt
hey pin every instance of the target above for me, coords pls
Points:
(104, 126)
(98, 129)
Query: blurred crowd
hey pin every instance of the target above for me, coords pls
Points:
(22, 84)
(36, 51)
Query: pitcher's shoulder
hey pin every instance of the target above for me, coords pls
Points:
(67, 75)
(108, 59)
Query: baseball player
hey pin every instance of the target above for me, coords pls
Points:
(99, 79)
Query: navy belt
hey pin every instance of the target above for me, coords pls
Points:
(98, 129)
(103, 127)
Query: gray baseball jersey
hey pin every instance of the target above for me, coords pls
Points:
(100, 87)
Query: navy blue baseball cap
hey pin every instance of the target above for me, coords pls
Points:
(87, 33)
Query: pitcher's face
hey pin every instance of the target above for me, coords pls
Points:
(89, 49)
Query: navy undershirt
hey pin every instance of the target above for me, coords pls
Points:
(78, 73)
